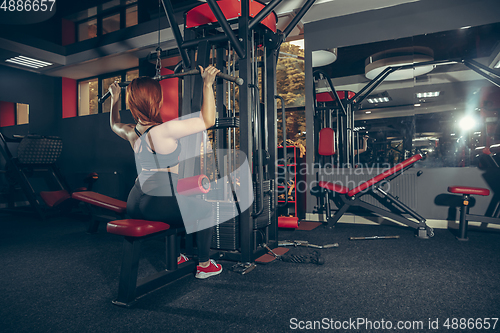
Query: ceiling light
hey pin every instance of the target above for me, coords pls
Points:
(368, 112)
(428, 94)
(497, 65)
(323, 57)
(378, 62)
(28, 62)
(417, 104)
(383, 99)
(467, 123)
(467, 27)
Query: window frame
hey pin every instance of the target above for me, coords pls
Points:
(107, 13)
(100, 78)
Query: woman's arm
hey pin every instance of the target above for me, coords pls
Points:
(121, 129)
(180, 128)
(362, 150)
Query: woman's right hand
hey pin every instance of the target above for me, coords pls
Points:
(115, 90)
(208, 74)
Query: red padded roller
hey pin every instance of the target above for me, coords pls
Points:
(193, 185)
(326, 142)
(333, 187)
(469, 190)
(135, 228)
(385, 174)
(288, 222)
(101, 200)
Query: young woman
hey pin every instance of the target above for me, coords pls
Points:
(157, 149)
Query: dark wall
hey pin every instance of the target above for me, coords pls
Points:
(89, 143)
(42, 93)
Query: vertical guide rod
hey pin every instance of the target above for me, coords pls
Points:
(169, 11)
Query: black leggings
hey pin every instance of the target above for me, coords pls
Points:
(164, 208)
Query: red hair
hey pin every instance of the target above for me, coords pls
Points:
(145, 98)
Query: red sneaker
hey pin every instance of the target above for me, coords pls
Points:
(182, 260)
(211, 270)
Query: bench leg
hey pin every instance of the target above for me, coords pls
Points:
(128, 272)
(171, 251)
(462, 229)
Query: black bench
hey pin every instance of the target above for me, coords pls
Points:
(135, 232)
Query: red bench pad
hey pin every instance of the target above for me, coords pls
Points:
(385, 174)
(136, 228)
(326, 145)
(101, 200)
(333, 187)
(54, 198)
(469, 190)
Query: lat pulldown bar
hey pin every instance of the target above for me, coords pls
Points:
(239, 81)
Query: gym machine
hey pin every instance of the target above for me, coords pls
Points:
(239, 38)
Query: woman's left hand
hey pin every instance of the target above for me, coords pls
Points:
(208, 74)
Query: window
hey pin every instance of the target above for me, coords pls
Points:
(110, 24)
(23, 113)
(87, 29)
(107, 18)
(131, 17)
(290, 75)
(89, 90)
(87, 97)
(290, 84)
(106, 106)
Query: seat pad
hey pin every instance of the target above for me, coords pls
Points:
(333, 187)
(135, 228)
(469, 190)
(101, 200)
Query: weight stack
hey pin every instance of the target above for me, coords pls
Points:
(226, 235)
(264, 219)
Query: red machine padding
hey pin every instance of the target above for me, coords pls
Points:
(327, 96)
(54, 198)
(326, 142)
(333, 187)
(135, 228)
(288, 222)
(193, 185)
(101, 200)
(231, 9)
(385, 174)
(469, 190)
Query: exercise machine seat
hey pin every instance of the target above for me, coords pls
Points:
(469, 190)
(136, 228)
(333, 187)
(100, 200)
(54, 198)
